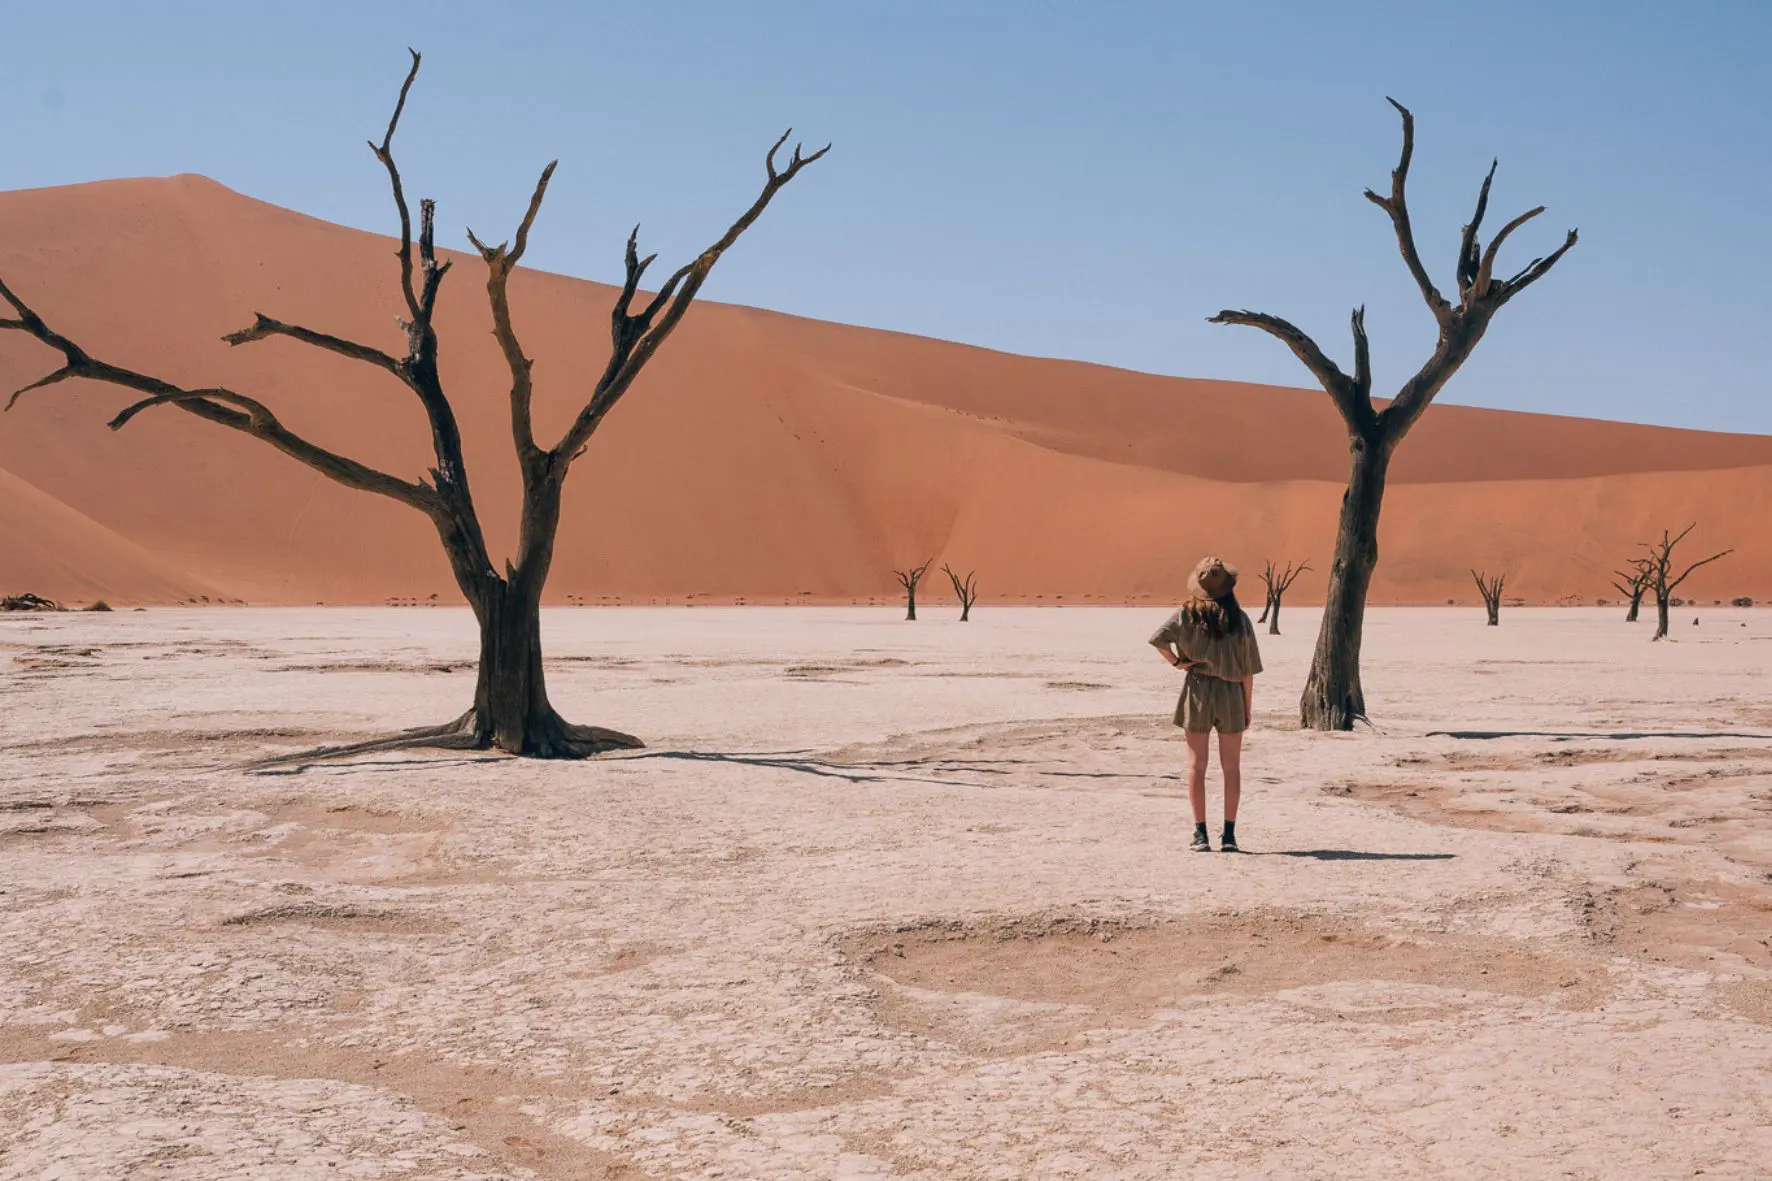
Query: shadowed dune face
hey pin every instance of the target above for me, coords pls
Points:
(761, 455)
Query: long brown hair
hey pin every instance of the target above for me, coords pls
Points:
(1218, 617)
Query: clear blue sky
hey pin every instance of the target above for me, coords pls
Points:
(1065, 179)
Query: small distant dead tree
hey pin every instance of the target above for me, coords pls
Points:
(29, 602)
(1277, 582)
(1333, 698)
(1662, 580)
(965, 588)
(1633, 584)
(1491, 589)
(511, 711)
(909, 580)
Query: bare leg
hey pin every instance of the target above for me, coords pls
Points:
(1230, 759)
(1197, 753)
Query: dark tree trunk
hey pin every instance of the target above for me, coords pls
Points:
(511, 710)
(1493, 606)
(1636, 605)
(910, 603)
(1267, 608)
(1333, 698)
(965, 612)
(1272, 615)
(1661, 605)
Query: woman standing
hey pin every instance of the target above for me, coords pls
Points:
(1211, 637)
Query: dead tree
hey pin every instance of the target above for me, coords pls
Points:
(1278, 582)
(29, 602)
(909, 580)
(511, 711)
(965, 588)
(1491, 590)
(1632, 585)
(1333, 697)
(1662, 580)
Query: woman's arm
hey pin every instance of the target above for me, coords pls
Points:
(1248, 699)
(1175, 659)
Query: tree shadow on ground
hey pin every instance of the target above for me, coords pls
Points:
(1353, 855)
(805, 763)
(1616, 735)
(376, 764)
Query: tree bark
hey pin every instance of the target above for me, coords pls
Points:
(1636, 605)
(1267, 607)
(1660, 617)
(1333, 698)
(511, 710)
(1273, 616)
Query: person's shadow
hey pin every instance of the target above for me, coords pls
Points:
(1352, 855)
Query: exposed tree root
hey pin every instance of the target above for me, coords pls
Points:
(551, 738)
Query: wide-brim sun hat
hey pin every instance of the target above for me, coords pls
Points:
(1213, 578)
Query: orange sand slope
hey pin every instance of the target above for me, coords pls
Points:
(762, 455)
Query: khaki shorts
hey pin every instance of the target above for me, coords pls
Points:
(1209, 704)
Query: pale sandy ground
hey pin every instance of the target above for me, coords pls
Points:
(882, 900)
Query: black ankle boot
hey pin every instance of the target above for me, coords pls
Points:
(1228, 842)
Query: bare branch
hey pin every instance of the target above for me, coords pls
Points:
(384, 152)
(1397, 205)
(1362, 354)
(541, 188)
(639, 335)
(911, 577)
(387, 139)
(251, 416)
(264, 327)
(1682, 578)
(1355, 407)
(501, 260)
(636, 268)
(61, 374)
(433, 270)
(1536, 269)
(1486, 268)
(1468, 254)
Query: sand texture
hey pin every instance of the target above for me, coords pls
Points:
(882, 900)
(761, 455)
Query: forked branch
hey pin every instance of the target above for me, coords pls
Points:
(1636, 580)
(500, 261)
(909, 578)
(263, 327)
(384, 152)
(1461, 325)
(218, 405)
(1345, 391)
(1659, 563)
(635, 336)
(965, 589)
(1491, 591)
(1397, 206)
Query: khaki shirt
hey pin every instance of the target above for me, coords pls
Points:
(1229, 658)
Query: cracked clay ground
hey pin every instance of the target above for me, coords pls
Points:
(882, 900)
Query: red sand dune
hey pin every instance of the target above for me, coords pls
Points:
(761, 456)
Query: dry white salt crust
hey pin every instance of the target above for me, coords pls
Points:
(882, 900)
